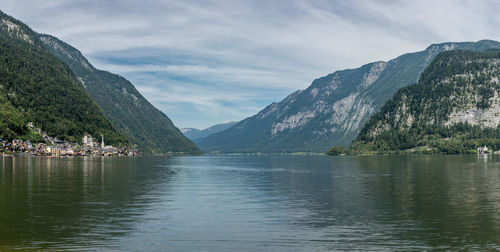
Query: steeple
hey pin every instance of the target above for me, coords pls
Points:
(102, 140)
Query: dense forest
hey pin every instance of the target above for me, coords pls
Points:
(417, 118)
(37, 87)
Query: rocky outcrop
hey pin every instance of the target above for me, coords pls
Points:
(457, 97)
(332, 109)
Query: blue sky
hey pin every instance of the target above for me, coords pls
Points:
(207, 62)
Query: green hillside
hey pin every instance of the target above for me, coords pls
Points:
(129, 112)
(454, 108)
(38, 87)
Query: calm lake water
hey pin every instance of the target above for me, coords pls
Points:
(270, 203)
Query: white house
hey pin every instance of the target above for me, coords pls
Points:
(483, 150)
(88, 140)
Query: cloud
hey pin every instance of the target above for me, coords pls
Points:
(187, 101)
(257, 78)
(238, 56)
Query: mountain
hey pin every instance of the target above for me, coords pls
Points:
(123, 105)
(454, 108)
(187, 130)
(332, 109)
(38, 87)
(194, 134)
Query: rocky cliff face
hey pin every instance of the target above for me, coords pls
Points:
(16, 29)
(457, 97)
(332, 110)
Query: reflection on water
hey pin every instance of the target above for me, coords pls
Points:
(79, 202)
(273, 203)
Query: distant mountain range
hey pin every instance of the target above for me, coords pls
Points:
(194, 134)
(109, 101)
(454, 108)
(332, 109)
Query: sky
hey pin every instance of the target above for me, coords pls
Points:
(208, 62)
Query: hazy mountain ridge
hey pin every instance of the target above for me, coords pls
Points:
(332, 109)
(194, 134)
(454, 108)
(126, 108)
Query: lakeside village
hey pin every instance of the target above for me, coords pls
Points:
(57, 147)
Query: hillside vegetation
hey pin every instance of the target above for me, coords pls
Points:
(129, 112)
(37, 87)
(454, 108)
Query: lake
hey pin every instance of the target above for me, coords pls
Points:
(251, 203)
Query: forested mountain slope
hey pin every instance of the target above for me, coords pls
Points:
(454, 108)
(37, 87)
(332, 109)
(123, 105)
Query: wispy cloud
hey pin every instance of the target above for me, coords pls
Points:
(203, 62)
